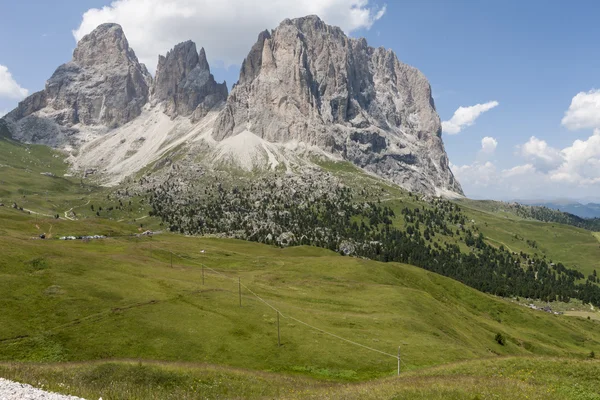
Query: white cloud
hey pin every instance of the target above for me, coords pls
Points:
(466, 116)
(573, 171)
(518, 170)
(484, 180)
(584, 111)
(544, 157)
(581, 163)
(227, 29)
(474, 175)
(9, 88)
(488, 145)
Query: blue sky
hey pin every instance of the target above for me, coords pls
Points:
(531, 57)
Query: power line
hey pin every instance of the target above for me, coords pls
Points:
(288, 316)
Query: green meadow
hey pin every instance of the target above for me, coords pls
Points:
(137, 317)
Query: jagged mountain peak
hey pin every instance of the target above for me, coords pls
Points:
(104, 86)
(202, 60)
(307, 82)
(305, 88)
(184, 85)
(105, 44)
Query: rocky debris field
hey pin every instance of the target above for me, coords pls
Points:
(17, 391)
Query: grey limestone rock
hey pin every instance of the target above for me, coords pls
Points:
(184, 84)
(103, 85)
(307, 81)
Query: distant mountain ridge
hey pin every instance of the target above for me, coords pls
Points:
(305, 90)
(587, 211)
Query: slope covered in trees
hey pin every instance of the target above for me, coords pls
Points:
(325, 213)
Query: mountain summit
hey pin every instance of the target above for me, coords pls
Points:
(103, 85)
(184, 83)
(308, 82)
(305, 90)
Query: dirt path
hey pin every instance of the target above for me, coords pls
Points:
(68, 211)
(135, 219)
(37, 213)
(584, 314)
(502, 243)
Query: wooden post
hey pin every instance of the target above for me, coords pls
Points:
(278, 331)
(203, 274)
(171, 260)
(240, 289)
(398, 360)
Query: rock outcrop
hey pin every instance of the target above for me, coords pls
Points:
(308, 82)
(103, 86)
(184, 84)
(304, 88)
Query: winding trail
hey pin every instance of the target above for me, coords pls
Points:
(68, 211)
(37, 213)
(502, 243)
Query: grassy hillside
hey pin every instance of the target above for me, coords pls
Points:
(120, 298)
(172, 304)
(578, 248)
(575, 247)
(36, 178)
(504, 378)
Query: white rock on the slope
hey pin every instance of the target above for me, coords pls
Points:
(308, 82)
(17, 391)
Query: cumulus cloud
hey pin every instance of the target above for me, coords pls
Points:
(485, 180)
(9, 88)
(225, 28)
(584, 111)
(466, 116)
(581, 162)
(544, 157)
(547, 172)
(474, 175)
(488, 145)
(519, 170)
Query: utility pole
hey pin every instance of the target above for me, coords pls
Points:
(398, 360)
(278, 331)
(240, 289)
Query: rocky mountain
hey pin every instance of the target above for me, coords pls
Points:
(308, 82)
(305, 90)
(184, 84)
(103, 86)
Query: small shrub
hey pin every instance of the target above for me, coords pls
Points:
(500, 339)
(592, 354)
(38, 264)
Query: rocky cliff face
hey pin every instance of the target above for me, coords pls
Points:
(305, 87)
(184, 84)
(308, 82)
(104, 85)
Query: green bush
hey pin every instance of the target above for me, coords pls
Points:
(500, 339)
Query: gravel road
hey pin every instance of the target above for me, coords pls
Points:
(17, 391)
